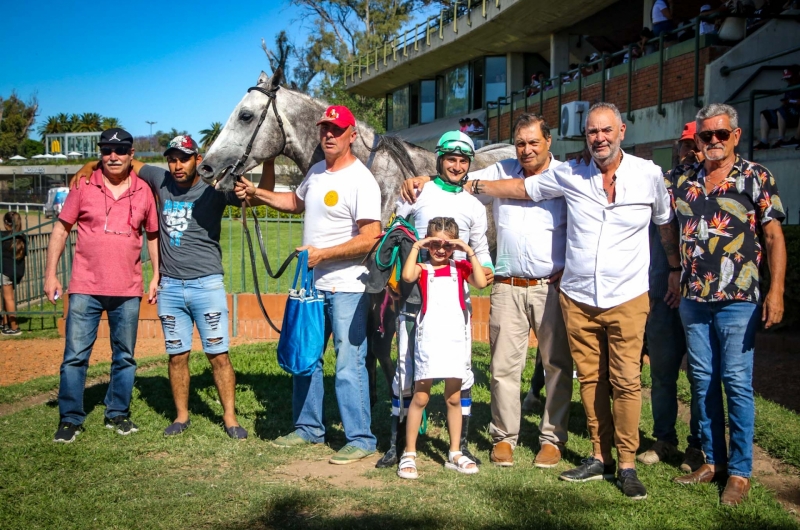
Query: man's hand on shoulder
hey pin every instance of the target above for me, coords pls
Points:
(83, 173)
(411, 188)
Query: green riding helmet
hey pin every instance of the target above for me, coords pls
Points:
(454, 143)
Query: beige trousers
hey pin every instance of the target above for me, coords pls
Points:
(606, 345)
(514, 311)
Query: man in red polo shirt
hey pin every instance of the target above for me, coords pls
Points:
(106, 276)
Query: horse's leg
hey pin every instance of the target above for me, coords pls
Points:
(373, 343)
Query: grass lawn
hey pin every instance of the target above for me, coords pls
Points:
(202, 479)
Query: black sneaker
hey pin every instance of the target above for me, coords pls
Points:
(9, 331)
(791, 141)
(630, 484)
(760, 146)
(67, 432)
(590, 469)
(122, 424)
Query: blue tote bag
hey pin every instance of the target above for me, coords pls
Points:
(303, 331)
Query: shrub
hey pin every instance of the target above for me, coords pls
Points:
(235, 212)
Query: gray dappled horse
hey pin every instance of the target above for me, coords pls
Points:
(390, 159)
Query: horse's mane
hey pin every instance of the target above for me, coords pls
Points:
(396, 148)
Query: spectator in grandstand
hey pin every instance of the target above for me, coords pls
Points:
(14, 249)
(787, 115)
(707, 27)
(647, 47)
(661, 16)
(463, 125)
(476, 127)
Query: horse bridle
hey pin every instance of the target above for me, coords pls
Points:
(236, 170)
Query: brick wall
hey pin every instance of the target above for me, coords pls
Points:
(250, 322)
(678, 84)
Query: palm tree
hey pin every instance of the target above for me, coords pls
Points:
(50, 126)
(66, 122)
(110, 123)
(210, 135)
(89, 122)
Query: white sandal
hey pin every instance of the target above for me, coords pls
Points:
(460, 464)
(405, 462)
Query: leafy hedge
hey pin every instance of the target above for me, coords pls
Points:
(235, 212)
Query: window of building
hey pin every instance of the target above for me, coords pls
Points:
(495, 78)
(456, 91)
(389, 114)
(427, 98)
(413, 103)
(477, 84)
(400, 109)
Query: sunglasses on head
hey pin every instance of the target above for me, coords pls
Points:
(446, 245)
(721, 134)
(121, 150)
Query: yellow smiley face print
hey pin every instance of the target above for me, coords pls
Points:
(331, 198)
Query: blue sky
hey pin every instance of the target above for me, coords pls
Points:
(181, 65)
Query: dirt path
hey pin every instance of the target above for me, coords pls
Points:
(23, 360)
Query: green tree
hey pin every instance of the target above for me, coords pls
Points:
(163, 138)
(341, 30)
(210, 135)
(15, 120)
(109, 123)
(29, 148)
(90, 122)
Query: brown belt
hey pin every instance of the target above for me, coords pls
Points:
(520, 282)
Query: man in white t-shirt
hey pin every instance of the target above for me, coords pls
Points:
(342, 204)
(661, 15)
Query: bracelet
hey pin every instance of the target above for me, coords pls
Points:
(675, 269)
(475, 190)
(470, 256)
(415, 247)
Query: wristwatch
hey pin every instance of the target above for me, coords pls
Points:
(675, 269)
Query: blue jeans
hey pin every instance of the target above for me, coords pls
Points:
(721, 337)
(666, 344)
(346, 318)
(83, 319)
(182, 304)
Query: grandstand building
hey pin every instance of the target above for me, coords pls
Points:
(478, 59)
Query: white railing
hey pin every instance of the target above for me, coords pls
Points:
(22, 206)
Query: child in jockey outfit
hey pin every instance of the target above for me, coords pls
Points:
(442, 338)
(446, 198)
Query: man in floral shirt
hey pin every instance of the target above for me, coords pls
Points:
(725, 206)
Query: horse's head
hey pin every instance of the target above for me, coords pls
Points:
(230, 145)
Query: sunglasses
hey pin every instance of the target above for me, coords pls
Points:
(120, 150)
(721, 134)
(446, 245)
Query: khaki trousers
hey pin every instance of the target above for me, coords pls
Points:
(606, 345)
(514, 311)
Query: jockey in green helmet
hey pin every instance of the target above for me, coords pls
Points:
(455, 151)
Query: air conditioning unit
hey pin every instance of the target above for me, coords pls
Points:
(573, 118)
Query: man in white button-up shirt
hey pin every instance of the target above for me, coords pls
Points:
(610, 204)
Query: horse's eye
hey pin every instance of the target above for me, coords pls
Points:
(245, 115)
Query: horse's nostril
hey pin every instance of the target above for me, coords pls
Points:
(205, 168)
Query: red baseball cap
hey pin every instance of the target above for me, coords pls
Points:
(688, 131)
(338, 115)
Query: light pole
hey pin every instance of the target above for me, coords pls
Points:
(151, 123)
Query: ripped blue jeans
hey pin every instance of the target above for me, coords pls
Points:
(184, 303)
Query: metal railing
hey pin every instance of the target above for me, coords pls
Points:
(603, 64)
(420, 36)
(26, 207)
(751, 100)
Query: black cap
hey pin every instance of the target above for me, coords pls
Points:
(115, 136)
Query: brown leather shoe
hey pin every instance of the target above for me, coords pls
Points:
(502, 454)
(703, 475)
(736, 490)
(548, 456)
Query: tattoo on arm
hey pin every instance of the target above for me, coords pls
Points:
(670, 242)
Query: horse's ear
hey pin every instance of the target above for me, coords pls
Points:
(262, 79)
(277, 78)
